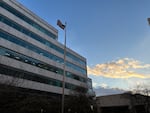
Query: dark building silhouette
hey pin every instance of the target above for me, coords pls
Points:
(123, 103)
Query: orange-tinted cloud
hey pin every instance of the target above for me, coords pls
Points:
(121, 68)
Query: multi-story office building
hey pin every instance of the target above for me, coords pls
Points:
(31, 54)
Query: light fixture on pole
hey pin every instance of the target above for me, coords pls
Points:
(63, 26)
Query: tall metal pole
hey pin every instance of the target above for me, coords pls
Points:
(64, 67)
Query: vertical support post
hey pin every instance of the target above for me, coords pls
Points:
(64, 68)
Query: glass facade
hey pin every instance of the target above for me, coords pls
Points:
(37, 63)
(39, 51)
(29, 45)
(34, 77)
(33, 35)
(28, 20)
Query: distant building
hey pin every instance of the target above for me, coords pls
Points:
(30, 52)
(90, 88)
(123, 103)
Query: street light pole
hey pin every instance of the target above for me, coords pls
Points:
(64, 68)
(63, 26)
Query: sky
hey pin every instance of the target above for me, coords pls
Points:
(113, 35)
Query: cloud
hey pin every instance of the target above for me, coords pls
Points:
(104, 85)
(139, 83)
(121, 68)
(94, 84)
(101, 91)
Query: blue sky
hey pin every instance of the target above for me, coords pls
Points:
(113, 35)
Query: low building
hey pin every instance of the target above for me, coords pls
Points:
(123, 103)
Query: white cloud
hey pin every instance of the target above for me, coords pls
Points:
(94, 84)
(121, 68)
(104, 85)
(134, 84)
(100, 91)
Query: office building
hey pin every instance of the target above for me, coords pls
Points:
(31, 55)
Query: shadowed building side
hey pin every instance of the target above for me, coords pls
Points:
(124, 103)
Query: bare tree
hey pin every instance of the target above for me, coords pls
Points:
(144, 89)
(9, 90)
(79, 102)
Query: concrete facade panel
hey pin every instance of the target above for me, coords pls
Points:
(31, 84)
(29, 53)
(29, 14)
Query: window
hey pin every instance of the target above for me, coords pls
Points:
(34, 62)
(28, 20)
(40, 39)
(34, 77)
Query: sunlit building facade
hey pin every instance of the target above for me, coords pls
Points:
(31, 54)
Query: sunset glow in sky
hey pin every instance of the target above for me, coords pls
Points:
(113, 35)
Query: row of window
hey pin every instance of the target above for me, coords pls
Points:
(38, 38)
(37, 63)
(28, 20)
(39, 51)
(34, 77)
